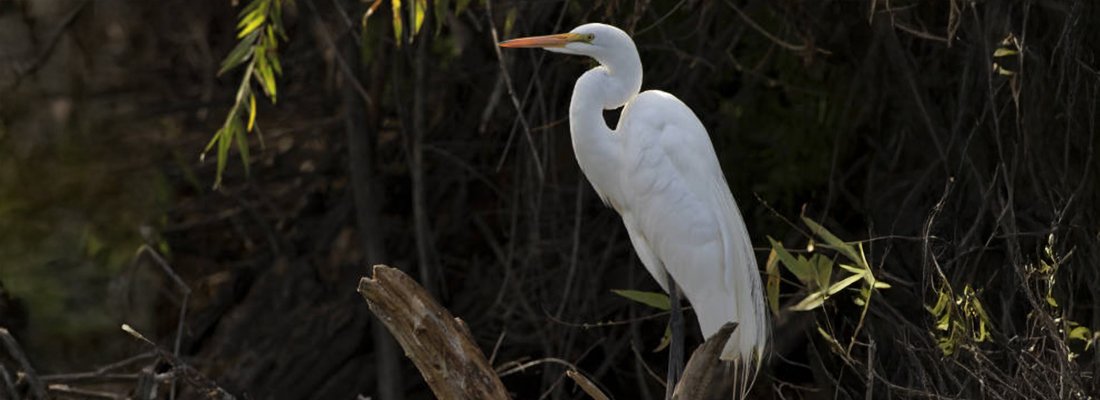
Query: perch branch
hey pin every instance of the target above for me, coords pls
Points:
(706, 376)
(438, 343)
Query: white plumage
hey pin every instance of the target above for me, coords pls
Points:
(658, 169)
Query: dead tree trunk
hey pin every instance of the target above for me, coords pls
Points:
(438, 343)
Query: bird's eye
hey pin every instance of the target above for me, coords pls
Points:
(589, 37)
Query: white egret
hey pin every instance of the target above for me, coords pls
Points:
(658, 169)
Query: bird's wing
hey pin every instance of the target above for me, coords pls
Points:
(676, 201)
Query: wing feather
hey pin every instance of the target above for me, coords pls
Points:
(677, 203)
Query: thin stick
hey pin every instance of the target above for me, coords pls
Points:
(186, 371)
(184, 289)
(512, 93)
(8, 384)
(586, 385)
(16, 352)
(70, 391)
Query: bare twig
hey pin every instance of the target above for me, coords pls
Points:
(586, 385)
(79, 393)
(54, 38)
(184, 289)
(9, 386)
(512, 93)
(189, 373)
(37, 389)
(782, 43)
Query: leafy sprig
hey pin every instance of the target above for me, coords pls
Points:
(259, 29)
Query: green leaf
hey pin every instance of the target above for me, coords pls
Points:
(1002, 52)
(831, 239)
(843, 283)
(266, 77)
(241, 53)
(653, 299)
(1051, 301)
(772, 288)
(419, 8)
(852, 269)
(814, 300)
(242, 144)
(224, 140)
(509, 22)
(441, 7)
(823, 270)
(251, 112)
(273, 59)
(397, 22)
(251, 23)
(800, 268)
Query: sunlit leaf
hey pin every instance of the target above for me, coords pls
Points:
(397, 22)
(1051, 301)
(1002, 71)
(420, 7)
(799, 268)
(843, 283)
(653, 299)
(1080, 333)
(252, 24)
(251, 112)
(814, 300)
(852, 269)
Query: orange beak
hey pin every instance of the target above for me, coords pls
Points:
(559, 40)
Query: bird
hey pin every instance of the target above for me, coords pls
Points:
(657, 168)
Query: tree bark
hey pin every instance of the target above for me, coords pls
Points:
(438, 343)
(706, 376)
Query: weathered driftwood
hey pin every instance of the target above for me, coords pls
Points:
(438, 343)
(706, 376)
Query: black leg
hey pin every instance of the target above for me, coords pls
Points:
(676, 345)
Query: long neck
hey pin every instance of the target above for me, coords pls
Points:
(611, 85)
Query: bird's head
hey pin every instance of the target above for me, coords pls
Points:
(594, 40)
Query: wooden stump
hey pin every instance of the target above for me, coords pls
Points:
(438, 343)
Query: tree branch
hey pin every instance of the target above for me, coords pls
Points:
(706, 376)
(438, 343)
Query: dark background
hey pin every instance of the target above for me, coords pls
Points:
(889, 122)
